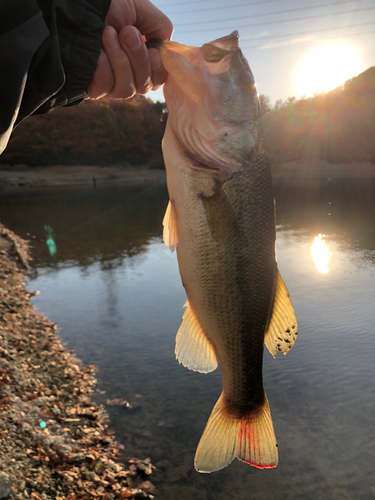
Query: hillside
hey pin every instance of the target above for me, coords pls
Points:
(104, 132)
(338, 126)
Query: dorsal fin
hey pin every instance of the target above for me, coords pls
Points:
(282, 328)
(193, 349)
(170, 234)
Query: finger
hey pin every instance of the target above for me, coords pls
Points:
(132, 43)
(158, 72)
(103, 80)
(142, 14)
(124, 86)
(152, 22)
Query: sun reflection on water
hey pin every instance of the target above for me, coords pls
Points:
(320, 254)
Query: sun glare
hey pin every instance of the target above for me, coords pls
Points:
(320, 254)
(325, 68)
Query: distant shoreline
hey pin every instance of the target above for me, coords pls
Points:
(320, 171)
(294, 172)
(22, 176)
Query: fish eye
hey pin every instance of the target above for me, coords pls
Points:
(213, 54)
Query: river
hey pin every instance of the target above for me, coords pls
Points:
(113, 287)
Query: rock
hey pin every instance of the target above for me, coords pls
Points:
(147, 486)
(6, 484)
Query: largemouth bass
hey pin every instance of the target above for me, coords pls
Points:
(221, 220)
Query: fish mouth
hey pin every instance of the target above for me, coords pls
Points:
(155, 43)
(168, 46)
(228, 42)
(181, 63)
(172, 53)
(159, 44)
(186, 63)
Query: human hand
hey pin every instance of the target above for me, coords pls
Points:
(125, 65)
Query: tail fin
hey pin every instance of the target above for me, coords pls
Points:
(250, 439)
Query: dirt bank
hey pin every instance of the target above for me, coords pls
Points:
(54, 440)
(291, 172)
(22, 176)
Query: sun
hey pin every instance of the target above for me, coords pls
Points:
(325, 68)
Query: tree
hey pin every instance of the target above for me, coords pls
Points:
(103, 132)
(265, 104)
(337, 126)
(279, 104)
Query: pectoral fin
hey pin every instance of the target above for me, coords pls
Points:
(170, 234)
(193, 349)
(282, 328)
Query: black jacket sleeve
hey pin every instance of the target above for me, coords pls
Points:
(48, 54)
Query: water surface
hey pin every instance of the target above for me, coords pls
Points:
(114, 289)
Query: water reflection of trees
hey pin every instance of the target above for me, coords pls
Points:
(102, 225)
(108, 225)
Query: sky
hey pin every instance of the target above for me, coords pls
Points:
(294, 48)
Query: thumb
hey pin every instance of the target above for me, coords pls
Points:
(152, 22)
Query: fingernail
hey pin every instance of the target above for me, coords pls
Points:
(134, 40)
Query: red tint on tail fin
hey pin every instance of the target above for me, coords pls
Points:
(251, 439)
(256, 439)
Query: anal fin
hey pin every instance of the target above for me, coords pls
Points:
(282, 329)
(193, 349)
(170, 234)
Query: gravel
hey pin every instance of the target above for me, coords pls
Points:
(55, 442)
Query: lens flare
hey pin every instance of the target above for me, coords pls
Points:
(320, 254)
(326, 68)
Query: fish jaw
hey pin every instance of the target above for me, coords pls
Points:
(212, 102)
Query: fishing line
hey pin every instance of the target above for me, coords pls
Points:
(199, 1)
(257, 15)
(272, 22)
(316, 40)
(305, 32)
